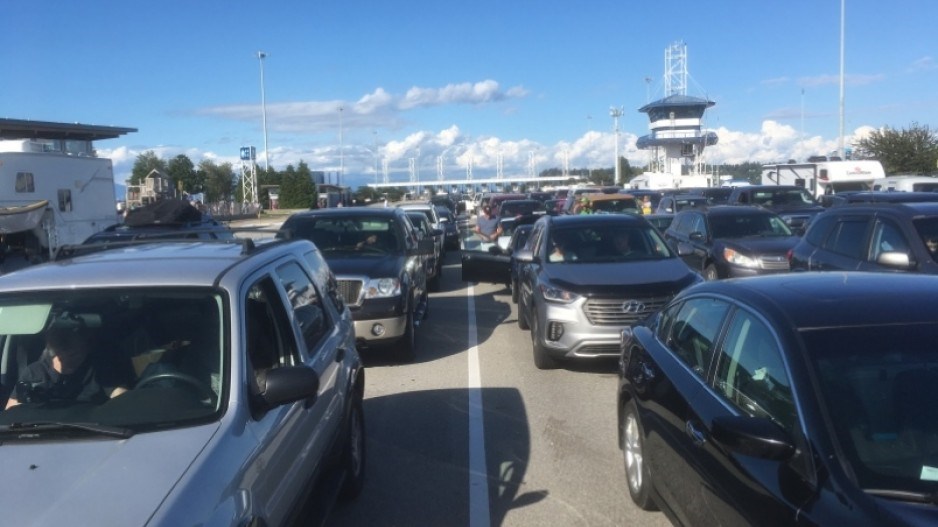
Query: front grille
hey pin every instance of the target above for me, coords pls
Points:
(599, 350)
(612, 311)
(775, 263)
(351, 291)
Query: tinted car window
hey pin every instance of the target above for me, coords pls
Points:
(751, 373)
(887, 237)
(741, 226)
(848, 237)
(694, 332)
(306, 302)
(819, 229)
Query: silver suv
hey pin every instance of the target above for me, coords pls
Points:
(178, 383)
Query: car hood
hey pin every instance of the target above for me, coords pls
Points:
(769, 245)
(652, 277)
(95, 481)
(370, 266)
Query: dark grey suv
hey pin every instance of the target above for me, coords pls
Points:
(871, 237)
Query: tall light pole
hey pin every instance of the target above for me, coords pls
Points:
(842, 24)
(341, 149)
(260, 57)
(616, 113)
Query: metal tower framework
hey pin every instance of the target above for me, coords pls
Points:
(249, 175)
(675, 69)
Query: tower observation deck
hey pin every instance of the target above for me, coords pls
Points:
(677, 139)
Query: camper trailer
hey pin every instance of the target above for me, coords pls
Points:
(824, 177)
(664, 180)
(906, 183)
(54, 190)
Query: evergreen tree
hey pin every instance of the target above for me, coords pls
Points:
(145, 163)
(911, 151)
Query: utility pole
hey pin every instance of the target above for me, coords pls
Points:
(616, 113)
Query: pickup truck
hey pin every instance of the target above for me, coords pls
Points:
(793, 203)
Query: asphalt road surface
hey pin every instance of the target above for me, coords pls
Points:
(472, 434)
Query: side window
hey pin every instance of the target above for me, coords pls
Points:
(307, 304)
(534, 242)
(887, 237)
(819, 229)
(751, 373)
(324, 275)
(268, 336)
(25, 182)
(664, 321)
(681, 224)
(847, 238)
(694, 331)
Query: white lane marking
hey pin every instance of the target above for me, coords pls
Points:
(479, 515)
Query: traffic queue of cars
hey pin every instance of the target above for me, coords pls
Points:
(752, 393)
(781, 398)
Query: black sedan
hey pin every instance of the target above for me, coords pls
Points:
(731, 241)
(795, 399)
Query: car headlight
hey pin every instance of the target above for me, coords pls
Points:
(382, 288)
(737, 258)
(555, 294)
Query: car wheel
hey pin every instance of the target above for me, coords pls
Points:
(522, 316)
(542, 360)
(710, 273)
(354, 457)
(636, 471)
(407, 346)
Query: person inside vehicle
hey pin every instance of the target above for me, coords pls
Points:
(932, 244)
(586, 207)
(66, 371)
(487, 226)
(622, 243)
(646, 205)
(561, 251)
(370, 241)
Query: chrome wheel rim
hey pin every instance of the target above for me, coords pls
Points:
(633, 453)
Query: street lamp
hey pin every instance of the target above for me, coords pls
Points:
(341, 149)
(616, 113)
(260, 57)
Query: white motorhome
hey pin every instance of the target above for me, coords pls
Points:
(54, 190)
(825, 177)
(906, 183)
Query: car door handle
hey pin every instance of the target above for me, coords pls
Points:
(696, 434)
(339, 354)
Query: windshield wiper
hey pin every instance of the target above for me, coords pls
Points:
(40, 427)
(905, 495)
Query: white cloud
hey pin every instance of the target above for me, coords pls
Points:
(923, 64)
(851, 80)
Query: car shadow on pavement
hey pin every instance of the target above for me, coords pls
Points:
(418, 463)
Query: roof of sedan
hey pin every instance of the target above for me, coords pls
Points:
(732, 210)
(348, 211)
(815, 300)
(579, 220)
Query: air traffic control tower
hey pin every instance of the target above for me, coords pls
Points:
(676, 139)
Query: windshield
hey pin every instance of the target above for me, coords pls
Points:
(130, 358)
(729, 227)
(615, 205)
(605, 244)
(365, 235)
(879, 386)
(791, 197)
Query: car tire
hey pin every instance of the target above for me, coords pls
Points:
(354, 456)
(522, 317)
(710, 273)
(542, 360)
(407, 345)
(637, 476)
(434, 284)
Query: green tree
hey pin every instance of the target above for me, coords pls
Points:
(219, 180)
(297, 190)
(184, 176)
(145, 163)
(913, 150)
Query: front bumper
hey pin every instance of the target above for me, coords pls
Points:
(566, 333)
(379, 320)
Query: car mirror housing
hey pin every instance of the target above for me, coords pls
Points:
(288, 384)
(753, 436)
(895, 259)
(524, 256)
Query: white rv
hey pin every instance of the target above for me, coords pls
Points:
(825, 177)
(54, 191)
(906, 183)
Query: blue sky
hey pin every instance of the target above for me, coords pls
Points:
(491, 81)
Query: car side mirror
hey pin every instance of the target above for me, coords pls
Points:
(895, 260)
(525, 256)
(696, 236)
(684, 249)
(753, 436)
(287, 384)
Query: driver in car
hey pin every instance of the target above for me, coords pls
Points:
(66, 371)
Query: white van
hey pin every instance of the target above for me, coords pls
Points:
(906, 183)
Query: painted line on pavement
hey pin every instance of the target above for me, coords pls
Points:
(479, 514)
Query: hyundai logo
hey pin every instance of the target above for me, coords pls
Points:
(633, 307)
